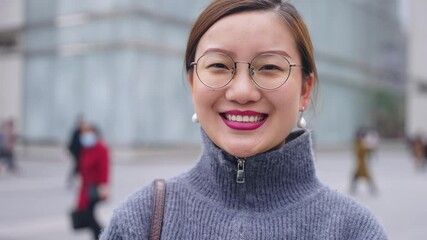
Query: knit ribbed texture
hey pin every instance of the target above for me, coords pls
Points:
(280, 199)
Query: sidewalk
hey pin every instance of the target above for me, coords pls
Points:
(34, 204)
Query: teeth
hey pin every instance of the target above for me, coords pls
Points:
(245, 118)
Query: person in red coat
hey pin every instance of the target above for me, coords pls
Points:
(94, 173)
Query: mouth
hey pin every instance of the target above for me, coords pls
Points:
(244, 120)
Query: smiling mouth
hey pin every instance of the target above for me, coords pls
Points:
(244, 118)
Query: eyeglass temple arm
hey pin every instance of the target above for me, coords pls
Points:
(303, 68)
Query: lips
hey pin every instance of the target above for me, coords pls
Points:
(243, 120)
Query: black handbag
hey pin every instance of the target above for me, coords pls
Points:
(80, 219)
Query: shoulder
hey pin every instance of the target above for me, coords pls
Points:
(101, 145)
(101, 148)
(343, 203)
(350, 216)
(131, 219)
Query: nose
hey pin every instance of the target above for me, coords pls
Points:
(242, 89)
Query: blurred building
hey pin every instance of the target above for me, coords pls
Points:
(120, 64)
(11, 59)
(361, 59)
(417, 71)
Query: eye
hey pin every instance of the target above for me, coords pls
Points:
(218, 65)
(270, 67)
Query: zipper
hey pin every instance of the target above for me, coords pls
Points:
(240, 178)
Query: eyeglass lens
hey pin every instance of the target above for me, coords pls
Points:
(268, 71)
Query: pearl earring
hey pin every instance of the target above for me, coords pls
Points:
(301, 121)
(194, 118)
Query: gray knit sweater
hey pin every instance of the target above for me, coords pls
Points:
(278, 197)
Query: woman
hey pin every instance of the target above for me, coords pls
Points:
(251, 69)
(94, 172)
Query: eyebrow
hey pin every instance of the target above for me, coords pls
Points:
(230, 53)
(280, 52)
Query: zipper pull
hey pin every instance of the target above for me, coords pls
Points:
(240, 178)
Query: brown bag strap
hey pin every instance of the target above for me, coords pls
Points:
(158, 209)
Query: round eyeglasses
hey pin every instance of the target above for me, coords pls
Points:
(268, 71)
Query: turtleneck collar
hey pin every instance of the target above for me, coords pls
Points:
(272, 179)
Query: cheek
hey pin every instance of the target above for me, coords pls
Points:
(286, 104)
(203, 97)
(196, 92)
(286, 98)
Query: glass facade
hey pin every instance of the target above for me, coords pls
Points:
(360, 55)
(120, 64)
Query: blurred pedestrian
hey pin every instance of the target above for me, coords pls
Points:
(94, 173)
(419, 152)
(371, 141)
(250, 66)
(7, 145)
(74, 148)
(1, 147)
(365, 144)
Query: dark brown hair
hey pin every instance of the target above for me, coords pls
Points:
(219, 9)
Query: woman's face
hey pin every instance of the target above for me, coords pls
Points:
(226, 113)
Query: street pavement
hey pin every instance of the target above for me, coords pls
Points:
(35, 202)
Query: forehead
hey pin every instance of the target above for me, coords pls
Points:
(248, 33)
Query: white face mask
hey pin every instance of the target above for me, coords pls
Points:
(88, 139)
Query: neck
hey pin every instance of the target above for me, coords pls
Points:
(265, 181)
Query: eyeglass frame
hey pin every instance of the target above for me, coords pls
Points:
(251, 70)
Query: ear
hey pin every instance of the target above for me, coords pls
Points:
(190, 78)
(306, 87)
